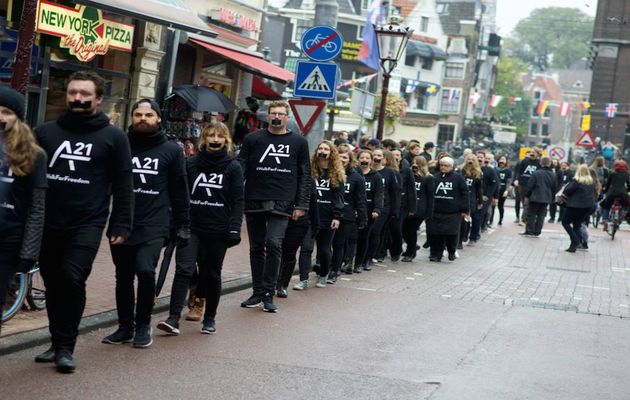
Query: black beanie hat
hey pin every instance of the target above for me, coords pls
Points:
(154, 106)
(12, 100)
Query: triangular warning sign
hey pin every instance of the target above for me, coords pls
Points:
(315, 82)
(306, 112)
(586, 140)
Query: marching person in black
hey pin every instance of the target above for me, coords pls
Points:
(275, 164)
(471, 171)
(374, 199)
(354, 216)
(490, 187)
(541, 188)
(580, 194)
(329, 176)
(564, 175)
(524, 171)
(407, 204)
(385, 165)
(22, 191)
(215, 183)
(505, 181)
(159, 186)
(424, 192)
(450, 206)
(89, 161)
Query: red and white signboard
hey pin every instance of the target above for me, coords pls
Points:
(558, 153)
(306, 112)
(586, 140)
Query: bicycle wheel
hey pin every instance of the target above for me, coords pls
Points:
(15, 297)
(36, 294)
(615, 228)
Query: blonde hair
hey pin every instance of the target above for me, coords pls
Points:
(336, 171)
(21, 148)
(390, 161)
(471, 170)
(221, 129)
(423, 165)
(345, 149)
(583, 176)
(598, 184)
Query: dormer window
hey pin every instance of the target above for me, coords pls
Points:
(578, 84)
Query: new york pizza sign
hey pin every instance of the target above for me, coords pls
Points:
(83, 30)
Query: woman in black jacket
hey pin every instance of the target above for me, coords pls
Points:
(22, 191)
(471, 171)
(384, 164)
(424, 192)
(374, 199)
(617, 187)
(407, 204)
(329, 176)
(505, 181)
(215, 180)
(580, 200)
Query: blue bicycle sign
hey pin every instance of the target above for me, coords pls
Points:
(321, 43)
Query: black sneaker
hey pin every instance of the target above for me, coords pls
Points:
(253, 301)
(268, 305)
(46, 357)
(582, 247)
(143, 337)
(395, 258)
(368, 266)
(407, 259)
(208, 328)
(169, 326)
(332, 278)
(357, 269)
(282, 293)
(122, 335)
(452, 256)
(64, 362)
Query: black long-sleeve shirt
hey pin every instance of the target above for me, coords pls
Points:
(475, 189)
(89, 160)
(355, 198)
(505, 179)
(391, 191)
(525, 170)
(407, 189)
(374, 192)
(451, 194)
(330, 202)
(425, 195)
(490, 184)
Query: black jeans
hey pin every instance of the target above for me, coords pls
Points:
(339, 244)
(210, 255)
(501, 207)
(138, 260)
(517, 204)
(9, 258)
(395, 235)
(66, 259)
(363, 238)
(475, 226)
(535, 217)
(572, 221)
(185, 268)
(324, 250)
(439, 242)
(410, 234)
(376, 236)
(553, 208)
(296, 236)
(266, 232)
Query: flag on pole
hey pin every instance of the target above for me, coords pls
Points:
(432, 90)
(495, 100)
(368, 54)
(611, 109)
(515, 99)
(542, 107)
(453, 94)
(564, 108)
(474, 98)
(585, 105)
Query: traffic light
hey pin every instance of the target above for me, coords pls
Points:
(494, 45)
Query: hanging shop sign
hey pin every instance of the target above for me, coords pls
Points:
(235, 19)
(83, 30)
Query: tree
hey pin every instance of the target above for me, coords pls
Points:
(552, 37)
(509, 86)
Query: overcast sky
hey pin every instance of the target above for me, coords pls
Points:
(509, 12)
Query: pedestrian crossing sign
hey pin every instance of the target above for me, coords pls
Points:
(316, 80)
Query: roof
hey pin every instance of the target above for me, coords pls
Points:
(457, 10)
(574, 80)
(547, 83)
(424, 50)
(405, 6)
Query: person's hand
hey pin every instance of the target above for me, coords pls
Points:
(479, 206)
(182, 237)
(361, 226)
(374, 215)
(505, 194)
(25, 265)
(234, 238)
(495, 202)
(515, 183)
(334, 224)
(297, 214)
(116, 240)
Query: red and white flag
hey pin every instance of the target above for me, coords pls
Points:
(564, 108)
(495, 100)
(611, 109)
(515, 99)
(474, 98)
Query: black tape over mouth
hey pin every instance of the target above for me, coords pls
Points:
(78, 104)
(215, 145)
(322, 156)
(3, 126)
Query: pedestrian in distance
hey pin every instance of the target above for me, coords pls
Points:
(541, 188)
(524, 171)
(89, 164)
(424, 191)
(580, 199)
(384, 164)
(329, 175)
(429, 150)
(160, 192)
(451, 205)
(617, 187)
(490, 187)
(407, 204)
(471, 172)
(22, 191)
(215, 184)
(276, 167)
(505, 182)
(553, 206)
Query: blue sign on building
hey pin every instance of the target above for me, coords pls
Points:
(321, 43)
(315, 80)
(8, 47)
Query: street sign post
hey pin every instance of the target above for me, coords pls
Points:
(306, 112)
(586, 140)
(558, 153)
(315, 80)
(321, 43)
(363, 103)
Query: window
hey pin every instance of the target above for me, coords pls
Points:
(424, 24)
(547, 112)
(445, 133)
(578, 84)
(537, 95)
(533, 130)
(365, 4)
(427, 63)
(450, 100)
(534, 113)
(410, 61)
(360, 33)
(422, 101)
(299, 27)
(441, 8)
(545, 130)
(454, 70)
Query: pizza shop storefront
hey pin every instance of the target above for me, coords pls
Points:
(110, 40)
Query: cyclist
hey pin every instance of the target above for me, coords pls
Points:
(22, 191)
(617, 187)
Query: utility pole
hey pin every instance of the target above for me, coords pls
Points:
(22, 65)
(325, 14)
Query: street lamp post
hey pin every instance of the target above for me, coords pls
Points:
(392, 40)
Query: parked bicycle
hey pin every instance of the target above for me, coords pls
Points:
(26, 290)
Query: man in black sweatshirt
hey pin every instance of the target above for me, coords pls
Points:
(159, 186)
(490, 187)
(88, 161)
(276, 167)
(541, 188)
(525, 170)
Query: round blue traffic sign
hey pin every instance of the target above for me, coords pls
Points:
(321, 43)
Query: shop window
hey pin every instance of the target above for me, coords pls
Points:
(454, 70)
(450, 100)
(446, 133)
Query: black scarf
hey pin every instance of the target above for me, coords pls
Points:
(214, 160)
(83, 121)
(141, 141)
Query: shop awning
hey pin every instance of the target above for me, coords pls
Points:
(249, 62)
(425, 50)
(171, 13)
(262, 91)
